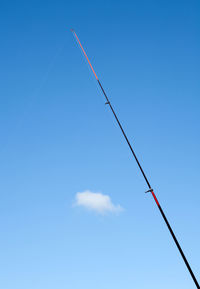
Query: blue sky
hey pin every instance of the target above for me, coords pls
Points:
(58, 138)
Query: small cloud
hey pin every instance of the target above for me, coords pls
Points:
(97, 202)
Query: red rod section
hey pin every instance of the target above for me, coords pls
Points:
(84, 53)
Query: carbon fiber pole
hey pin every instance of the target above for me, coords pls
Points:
(141, 169)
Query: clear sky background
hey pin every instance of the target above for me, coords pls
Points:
(58, 138)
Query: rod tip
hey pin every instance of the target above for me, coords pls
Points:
(72, 30)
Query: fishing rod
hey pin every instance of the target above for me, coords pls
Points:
(150, 190)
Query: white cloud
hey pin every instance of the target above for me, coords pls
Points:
(96, 202)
